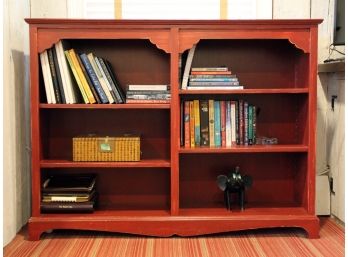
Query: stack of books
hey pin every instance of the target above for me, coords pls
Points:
(71, 77)
(212, 123)
(213, 78)
(207, 78)
(148, 94)
(69, 193)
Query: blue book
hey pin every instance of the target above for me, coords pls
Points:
(217, 125)
(94, 78)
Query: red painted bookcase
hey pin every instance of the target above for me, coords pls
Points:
(172, 190)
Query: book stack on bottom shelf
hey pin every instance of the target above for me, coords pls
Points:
(69, 193)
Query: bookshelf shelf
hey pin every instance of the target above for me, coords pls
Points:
(105, 106)
(246, 91)
(275, 61)
(70, 164)
(247, 149)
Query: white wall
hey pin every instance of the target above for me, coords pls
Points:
(16, 174)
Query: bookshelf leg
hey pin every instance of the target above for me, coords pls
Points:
(312, 229)
(34, 235)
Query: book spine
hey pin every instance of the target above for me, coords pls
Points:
(213, 83)
(188, 67)
(54, 76)
(217, 125)
(182, 123)
(110, 80)
(84, 83)
(94, 79)
(215, 87)
(67, 207)
(97, 61)
(221, 79)
(241, 122)
(211, 73)
(61, 75)
(100, 77)
(147, 96)
(204, 115)
(246, 123)
(236, 118)
(78, 81)
(223, 122)
(187, 124)
(211, 124)
(233, 123)
(209, 69)
(148, 92)
(197, 123)
(250, 124)
(228, 124)
(192, 125)
(45, 76)
(67, 82)
(212, 76)
(151, 101)
(115, 81)
(88, 80)
(148, 87)
(254, 124)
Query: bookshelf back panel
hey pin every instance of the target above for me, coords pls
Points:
(127, 189)
(275, 178)
(133, 61)
(257, 63)
(59, 126)
(284, 116)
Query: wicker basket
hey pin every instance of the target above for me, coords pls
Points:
(106, 149)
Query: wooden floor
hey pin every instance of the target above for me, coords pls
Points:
(266, 242)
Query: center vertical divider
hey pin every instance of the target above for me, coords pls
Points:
(174, 121)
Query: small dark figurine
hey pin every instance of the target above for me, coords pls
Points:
(234, 183)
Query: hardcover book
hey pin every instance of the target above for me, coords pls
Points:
(69, 183)
(204, 114)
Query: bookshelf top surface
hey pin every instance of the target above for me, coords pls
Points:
(164, 23)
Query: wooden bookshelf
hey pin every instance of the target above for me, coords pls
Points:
(172, 190)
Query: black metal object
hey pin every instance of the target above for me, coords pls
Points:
(234, 183)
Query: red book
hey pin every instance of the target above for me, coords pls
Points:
(223, 123)
(241, 122)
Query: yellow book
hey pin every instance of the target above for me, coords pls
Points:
(197, 123)
(211, 124)
(82, 77)
(77, 78)
(192, 125)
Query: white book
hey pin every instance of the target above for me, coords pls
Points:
(188, 67)
(106, 90)
(214, 88)
(233, 122)
(49, 75)
(67, 94)
(228, 124)
(69, 83)
(45, 77)
(148, 87)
